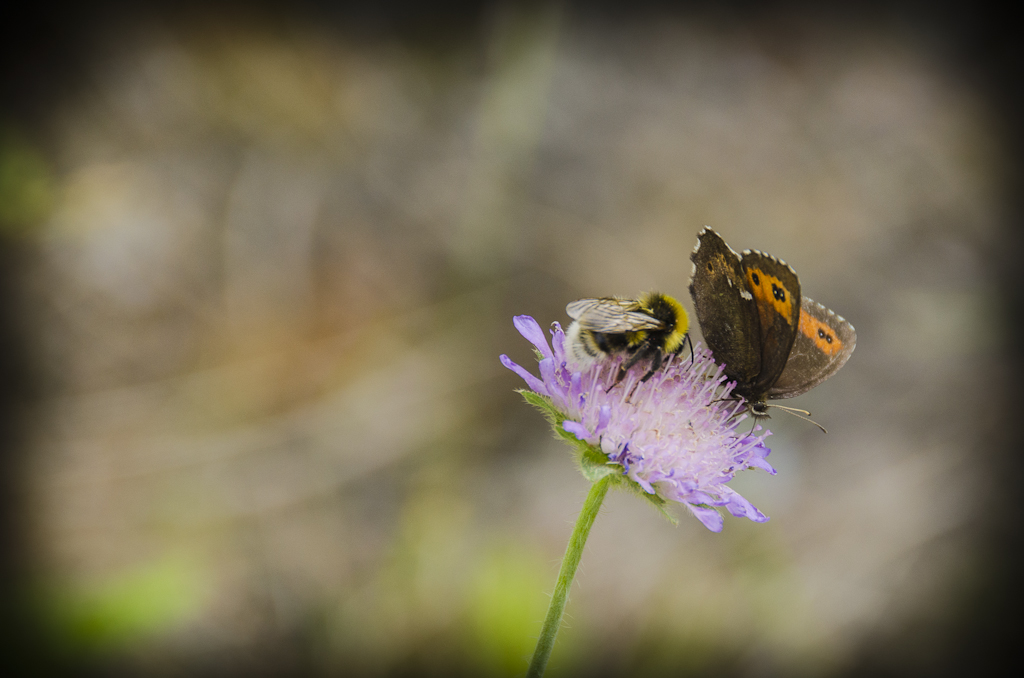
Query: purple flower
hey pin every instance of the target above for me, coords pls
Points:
(674, 436)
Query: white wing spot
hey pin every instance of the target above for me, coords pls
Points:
(745, 294)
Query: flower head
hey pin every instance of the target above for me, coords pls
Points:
(673, 436)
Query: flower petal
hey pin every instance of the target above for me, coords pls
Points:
(642, 482)
(547, 375)
(757, 457)
(711, 518)
(604, 415)
(761, 463)
(535, 384)
(529, 328)
(577, 429)
(738, 505)
(558, 342)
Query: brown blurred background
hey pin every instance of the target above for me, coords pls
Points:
(259, 263)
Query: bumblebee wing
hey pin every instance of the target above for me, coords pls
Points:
(577, 309)
(610, 315)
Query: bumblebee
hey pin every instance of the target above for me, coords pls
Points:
(647, 328)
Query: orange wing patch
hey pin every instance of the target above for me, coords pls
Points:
(820, 333)
(769, 290)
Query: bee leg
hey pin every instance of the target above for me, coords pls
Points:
(632, 391)
(619, 376)
(656, 361)
(633, 359)
(690, 342)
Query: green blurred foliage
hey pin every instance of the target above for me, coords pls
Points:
(125, 608)
(506, 607)
(26, 184)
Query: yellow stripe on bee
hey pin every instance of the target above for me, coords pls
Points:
(635, 338)
(674, 341)
(820, 333)
(765, 288)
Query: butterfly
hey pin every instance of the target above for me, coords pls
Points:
(773, 342)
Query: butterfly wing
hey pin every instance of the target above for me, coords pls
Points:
(822, 345)
(775, 289)
(725, 309)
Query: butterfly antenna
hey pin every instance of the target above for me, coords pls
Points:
(799, 414)
(690, 342)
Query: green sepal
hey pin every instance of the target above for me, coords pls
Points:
(594, 464)
(544, 404)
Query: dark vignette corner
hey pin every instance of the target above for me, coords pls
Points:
(40, 58)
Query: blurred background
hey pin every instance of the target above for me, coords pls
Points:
(259, 263)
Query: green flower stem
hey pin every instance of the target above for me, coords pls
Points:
(570, 562)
